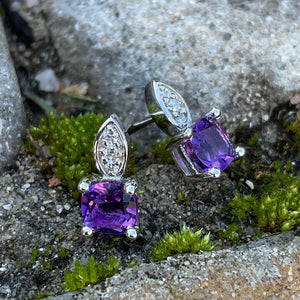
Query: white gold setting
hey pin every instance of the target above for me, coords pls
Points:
(83, 185)
(240, 151)
(132, 233)
(111, 148)
(173, 105)
(130, 187)
(111, 154)
(170, 112)
(87, 231)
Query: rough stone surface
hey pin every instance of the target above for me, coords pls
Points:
(239, 55)
(12, 116)
(242, 56)
(31, 214)
(266, 269)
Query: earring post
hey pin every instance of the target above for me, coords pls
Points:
(141, 124)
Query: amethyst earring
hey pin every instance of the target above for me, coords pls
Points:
(201, 149)
(109, 203)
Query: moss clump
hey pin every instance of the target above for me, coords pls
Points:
(47, 265)
(185, 240)
(159, 151)
(59, 235)
(132, 264)
(42, 295)
(252, 141)
(90, 274)
(182, 199)
(294, 127)
(70, 140)
(63, 253)
(232, 233)
(34, 254)
(277, 208)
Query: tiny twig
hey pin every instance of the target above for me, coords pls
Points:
(37, 147)
(40, 102)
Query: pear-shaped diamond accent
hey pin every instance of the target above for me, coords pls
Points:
(110, 148)
(173, 106)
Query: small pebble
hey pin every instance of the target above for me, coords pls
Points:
(48, 81)
(67, 206)
(25, 186)
(7, 206)
(59, 208)
(35, 199)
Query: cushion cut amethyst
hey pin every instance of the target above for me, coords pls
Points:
(106, 208)
(210, 146)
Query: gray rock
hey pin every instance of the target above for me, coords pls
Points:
(266, 269)
(242, 56)
(12, 116)
(48, 81)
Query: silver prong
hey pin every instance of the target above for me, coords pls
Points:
(215, 112)
(86, 231)
(213, 172)
(240, 151)
(83, 185)
(188, 132)
(130, 187)
(131, 233)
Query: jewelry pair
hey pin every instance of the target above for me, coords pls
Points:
(201, 150)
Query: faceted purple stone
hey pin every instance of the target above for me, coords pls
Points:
(210, 146)
(106, 208)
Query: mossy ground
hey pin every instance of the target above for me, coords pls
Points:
(274, 202)
(70, 141)
(89, 274)
(185, 240)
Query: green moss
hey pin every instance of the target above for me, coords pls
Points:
(159, 151)
(182, 199)
(252, 141)
(42, 295)
(186, 240)
(70, 141)
(59, 235)
(232, 233)
(19, 264)
(275, 200)
(47, 265)
(259, 233)
(63, 253)
(131, 167)
(34, 254)
(132, 264)
(294, 128)
(276, 208)
(91, 274)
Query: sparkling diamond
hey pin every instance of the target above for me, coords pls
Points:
(210, 146)
(107, 209)
(173, 105)
(110, 149)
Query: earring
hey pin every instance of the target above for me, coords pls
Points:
(201, 149)
(109, 204)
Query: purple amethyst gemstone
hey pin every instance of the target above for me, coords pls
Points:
(210, 146)
(106, 208)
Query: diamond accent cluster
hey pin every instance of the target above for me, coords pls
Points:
(110, 151)
(175, 105)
